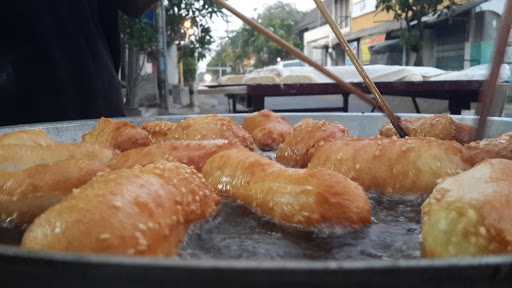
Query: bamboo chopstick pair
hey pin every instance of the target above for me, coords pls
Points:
(380, 103)
(486, 98)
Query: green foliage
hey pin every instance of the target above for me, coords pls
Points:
(412, 12)
(244, 44)
(135, 32)
(199, 14)
(189, 64)
(192, 47)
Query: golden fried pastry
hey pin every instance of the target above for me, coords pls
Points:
(309, 198)
(479, 151)
(26, 194)
(267, 129)
(191, 153)
(20, 157)
(307, 134)
(159, 130)
(470, 214)
(119, 135)
(441, 127)
(143, 211)
(26, 137)
(392, 165)
(464, 133)
(210, 127)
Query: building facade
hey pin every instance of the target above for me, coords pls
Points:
(462, 38)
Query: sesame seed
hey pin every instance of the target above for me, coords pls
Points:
(105, 236)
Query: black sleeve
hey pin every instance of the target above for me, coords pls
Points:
(62, 60)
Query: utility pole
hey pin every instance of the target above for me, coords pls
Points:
(163, 91)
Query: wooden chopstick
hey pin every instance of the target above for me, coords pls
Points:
(488, 92)
(395, 121)
(299, 55)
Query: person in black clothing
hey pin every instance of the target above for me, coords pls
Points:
(59, 59)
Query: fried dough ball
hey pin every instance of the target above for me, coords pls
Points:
(268, 129)
(441, 127)
(27, 137)
(391, 165)
(307, 198)
(479, 151)
(211, 127)
(307, 134)
(470, 214)
(119, 135)
(144, 211)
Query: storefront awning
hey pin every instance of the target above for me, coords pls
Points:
(430, 20)
(456, 10)
(384, 28)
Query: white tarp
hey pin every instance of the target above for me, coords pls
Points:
(480, 72)
(378, 73)
(386, 73)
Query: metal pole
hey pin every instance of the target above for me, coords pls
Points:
(163, 91)
(488, 93)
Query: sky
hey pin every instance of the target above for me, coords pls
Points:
(250, 8)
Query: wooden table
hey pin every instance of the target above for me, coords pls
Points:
(459, 94)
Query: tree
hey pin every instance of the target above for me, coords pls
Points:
(232, 53)
(197, 15)
(188, 25)
(412, 13)
(280, 18)
(141, 37)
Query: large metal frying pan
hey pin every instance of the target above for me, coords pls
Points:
(238, 249)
